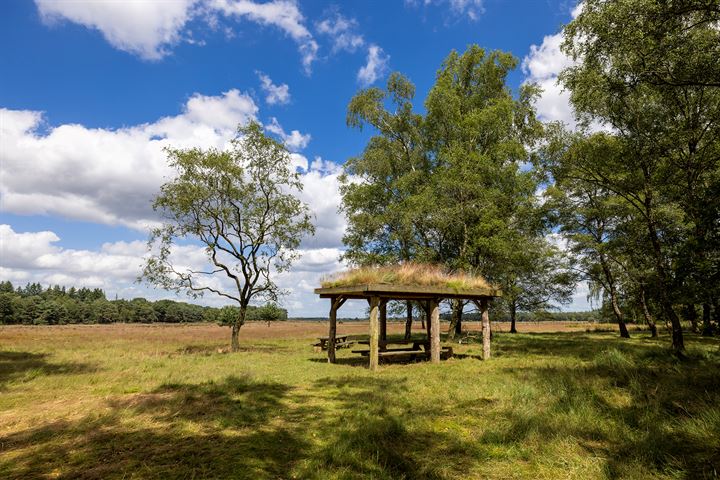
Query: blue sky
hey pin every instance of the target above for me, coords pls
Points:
(91, 91)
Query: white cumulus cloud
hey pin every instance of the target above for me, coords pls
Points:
(150, 29)
(283, 14)
(105, 175)
(342, 31)
(472, 9)
(274, 94)
(294, 140)
(375, 67)
(147, 29)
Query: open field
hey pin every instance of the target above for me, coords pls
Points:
(164, 401)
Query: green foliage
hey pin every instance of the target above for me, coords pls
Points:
(448, 187)
(648, 70)
(240, 204)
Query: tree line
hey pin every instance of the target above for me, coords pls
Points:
(56, 305)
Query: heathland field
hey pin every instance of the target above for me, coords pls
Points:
(161, 401)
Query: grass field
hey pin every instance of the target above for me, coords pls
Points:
(159, 401)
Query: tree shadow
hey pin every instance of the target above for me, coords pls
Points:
(667, 418)
(16, 366)
(227, 429)
(375, 435)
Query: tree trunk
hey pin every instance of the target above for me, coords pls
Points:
(408, 320)
(234, 339)
(613, 298)
(669, 313)
(455, 319)
(513, 315)
(646, 313)
(707, 330)
(458, 325)
(618, 314)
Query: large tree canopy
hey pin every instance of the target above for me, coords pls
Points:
(452, 186)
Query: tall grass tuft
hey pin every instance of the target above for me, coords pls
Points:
(410, 274)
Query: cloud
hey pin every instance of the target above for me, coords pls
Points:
(146, 29)
(274, 94)
(471, 9)
(293, 141)
(375, 67)
(283, 14)
(36, 257)
(542, 66)
(150, 29)
(105, 175)
(342, 31)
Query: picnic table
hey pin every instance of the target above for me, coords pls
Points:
(411, 349)
(341, 341)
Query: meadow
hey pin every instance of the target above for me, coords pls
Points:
(169, 401)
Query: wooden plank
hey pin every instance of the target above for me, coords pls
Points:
(434, 331)
(374, 332)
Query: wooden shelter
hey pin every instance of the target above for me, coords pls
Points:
(377, 295)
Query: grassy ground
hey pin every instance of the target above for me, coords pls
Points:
(165, 402)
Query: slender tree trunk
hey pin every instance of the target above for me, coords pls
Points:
(234, 340)
(618, 314)
(678, 343)
(458, 325)
(408, 320)
(455, 319)
(707, 330)
(613, 298)
(513, 317)
(646, 313)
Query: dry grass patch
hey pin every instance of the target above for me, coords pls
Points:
(410, 274)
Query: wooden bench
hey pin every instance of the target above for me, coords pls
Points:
(445, 353)
(341, 341)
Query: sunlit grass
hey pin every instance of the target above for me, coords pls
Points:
(134, 402)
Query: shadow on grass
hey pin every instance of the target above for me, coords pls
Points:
(15, 366)
(374, 435)
(633, 404)
(211, 430)
(208, 350)
(640, 411)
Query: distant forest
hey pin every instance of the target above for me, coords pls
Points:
(35, 305)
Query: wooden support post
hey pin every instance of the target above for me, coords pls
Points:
(333, 330)
(335, 304)
(485, 328)
(374, 332)
(426, 307)
(383, 320)
(434, 331)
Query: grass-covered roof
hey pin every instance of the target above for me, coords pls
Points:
(406, 274)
